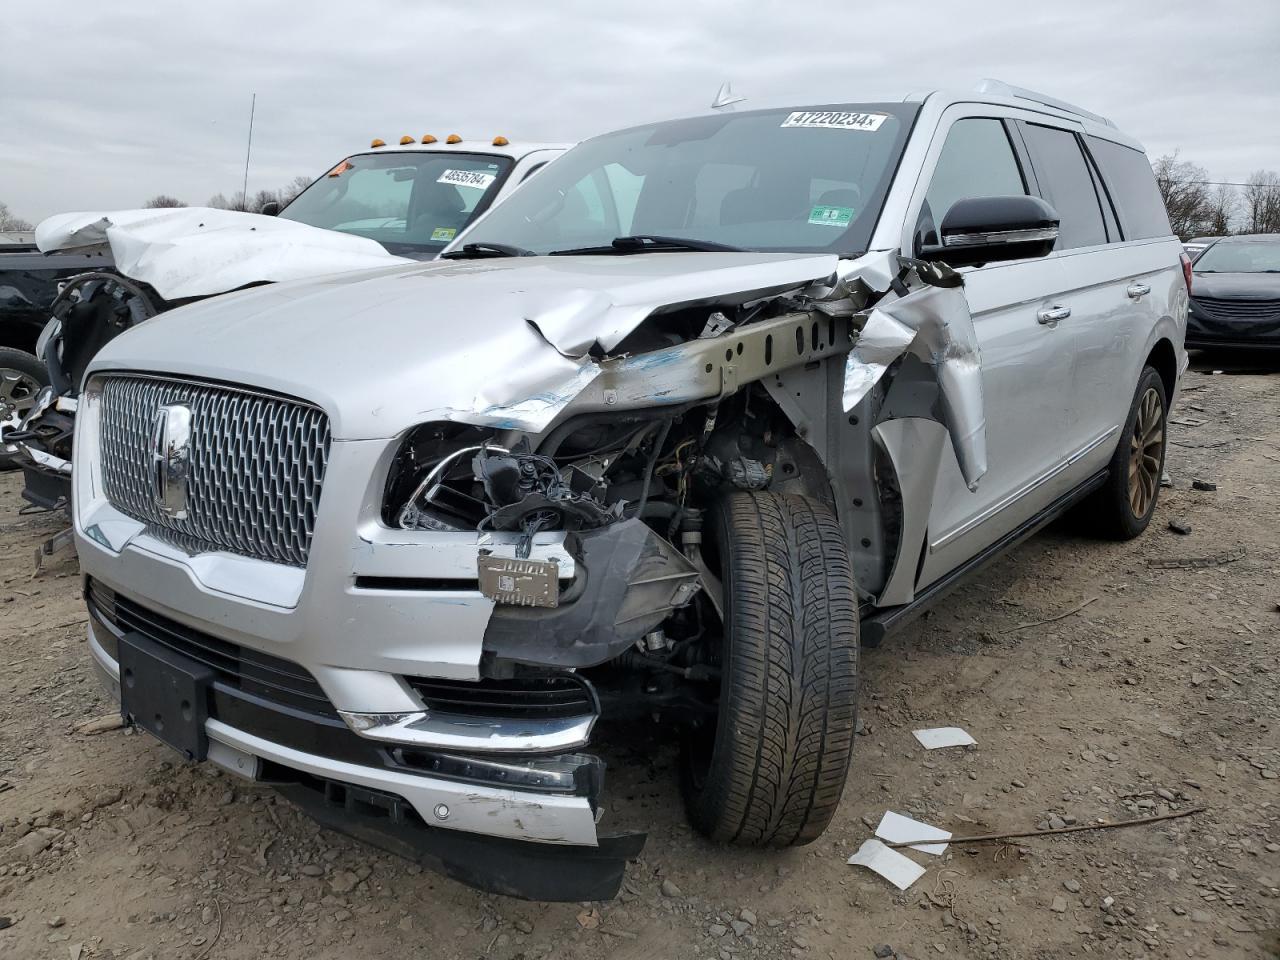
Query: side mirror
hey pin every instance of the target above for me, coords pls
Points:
(270, 209)
(990, 229)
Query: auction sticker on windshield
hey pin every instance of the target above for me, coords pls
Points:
(467, 178)
(443, 234)
(831, 216)
(835, 120)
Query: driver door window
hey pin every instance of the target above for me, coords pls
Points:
(977, 160)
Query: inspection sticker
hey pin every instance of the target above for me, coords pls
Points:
(831, 216)
(443, 234)
(835, 120)
(467, 178)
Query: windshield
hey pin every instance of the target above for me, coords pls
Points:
(413, 203)
(770, 180)
(1241, 256)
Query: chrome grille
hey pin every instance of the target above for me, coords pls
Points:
(257, 464)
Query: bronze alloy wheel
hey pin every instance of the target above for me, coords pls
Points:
(1145, 446)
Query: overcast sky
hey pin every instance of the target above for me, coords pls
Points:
(104, 104)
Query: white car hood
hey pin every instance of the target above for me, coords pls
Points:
(199, 251)
(501, 342)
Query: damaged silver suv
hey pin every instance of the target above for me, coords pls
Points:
(661, 438)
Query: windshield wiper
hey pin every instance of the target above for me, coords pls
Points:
(649, 243)
(476, 251)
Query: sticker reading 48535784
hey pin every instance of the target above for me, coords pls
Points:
(835, 120)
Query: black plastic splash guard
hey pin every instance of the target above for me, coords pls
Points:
(513, 868)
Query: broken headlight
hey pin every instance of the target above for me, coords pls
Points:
(454, 477)
(432, 485)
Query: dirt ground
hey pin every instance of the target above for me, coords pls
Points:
(1159, 694)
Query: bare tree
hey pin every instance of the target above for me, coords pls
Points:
(1185, 192)
(10, 222)
(1261, 197)
(1221, 210)
(289, 193)
(261, 199)
(163, 200)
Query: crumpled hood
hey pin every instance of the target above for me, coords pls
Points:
(500, 342)
(199, 251)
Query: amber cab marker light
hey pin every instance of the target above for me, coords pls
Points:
(453, 138)
(406, 140)
(428, 138)
(500, 141)
(378, 143)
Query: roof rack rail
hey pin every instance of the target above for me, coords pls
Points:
(1001, 89)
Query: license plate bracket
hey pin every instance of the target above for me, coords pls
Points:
(165, 694)
(520, 583)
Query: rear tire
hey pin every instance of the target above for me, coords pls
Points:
(1123, 507)
(774, 769)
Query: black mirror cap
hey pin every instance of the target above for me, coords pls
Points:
(989, 229)
(270, 209)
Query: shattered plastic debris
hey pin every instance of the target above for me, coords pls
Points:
(933, 324)
(895, 828)
(937, 737)
(898, 869)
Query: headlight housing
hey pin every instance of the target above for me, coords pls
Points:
(431, 485)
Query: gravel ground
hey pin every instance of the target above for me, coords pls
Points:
(1158, 695)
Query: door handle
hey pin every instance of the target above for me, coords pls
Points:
(1137, 291)
(1051, 315)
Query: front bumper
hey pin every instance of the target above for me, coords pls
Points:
(535, 843)
(1206, 331)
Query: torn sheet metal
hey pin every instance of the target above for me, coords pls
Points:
(199, 251)
(934, 324)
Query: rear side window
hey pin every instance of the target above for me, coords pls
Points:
(1066, 183)
(1133, 189)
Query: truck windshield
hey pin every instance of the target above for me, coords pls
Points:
(804, 180)
(411, 202)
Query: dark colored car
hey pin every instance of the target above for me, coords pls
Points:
(1235, 294)
(28, 285)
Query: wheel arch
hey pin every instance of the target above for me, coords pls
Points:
(1164, 359)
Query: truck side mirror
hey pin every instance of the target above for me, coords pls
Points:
(270, 209)
(991, 229)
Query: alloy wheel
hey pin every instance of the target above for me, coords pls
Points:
(1146, 447)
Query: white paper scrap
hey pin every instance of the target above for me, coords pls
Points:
(943, 737)
(899, 870)
(895, 828)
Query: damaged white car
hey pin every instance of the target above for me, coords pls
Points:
(386, 205)
(666, 432)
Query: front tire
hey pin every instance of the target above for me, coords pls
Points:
(1123, 508)
(773, 770)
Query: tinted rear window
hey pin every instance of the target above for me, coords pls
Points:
(1066, 183)
(1133, 189)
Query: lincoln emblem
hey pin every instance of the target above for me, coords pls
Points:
(171, 459)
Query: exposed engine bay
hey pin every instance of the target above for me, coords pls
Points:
(90, 311)
(747, 395)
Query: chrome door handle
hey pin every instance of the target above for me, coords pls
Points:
(1051, 315)
(1137, 291)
